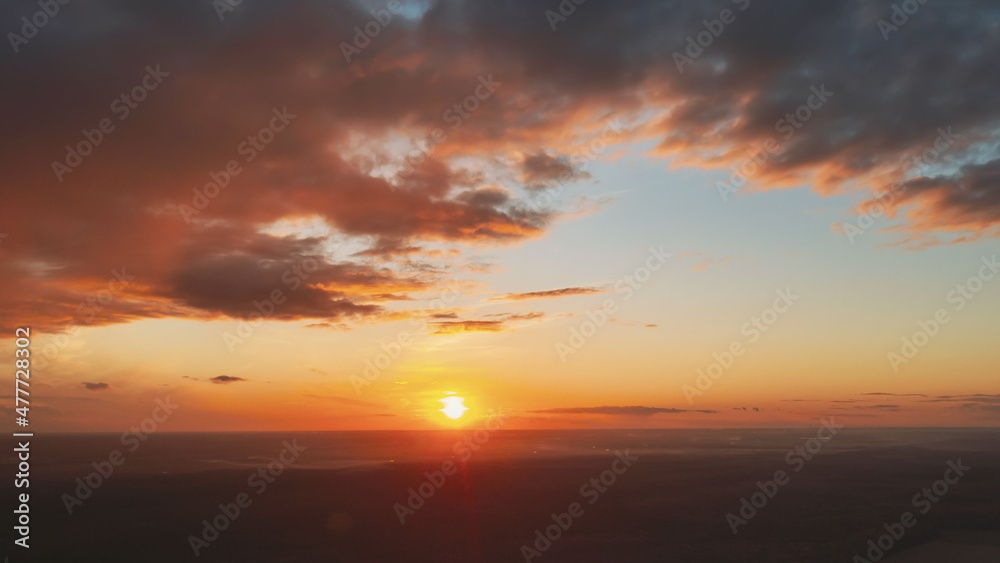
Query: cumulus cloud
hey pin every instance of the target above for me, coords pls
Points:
(347, 158)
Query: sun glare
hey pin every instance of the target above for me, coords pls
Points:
(454, 407)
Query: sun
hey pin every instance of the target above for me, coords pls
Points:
(453, 407)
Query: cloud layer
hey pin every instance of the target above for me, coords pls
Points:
(376, 152)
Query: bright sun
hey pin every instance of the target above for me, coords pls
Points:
(453, 407)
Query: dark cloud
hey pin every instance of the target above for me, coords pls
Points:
(618, 411)
(985, 403)
(282, 274)
(341, 158)
(979, 397)
(226, 379)
(882, 407)
(96, 386)
(542, 170)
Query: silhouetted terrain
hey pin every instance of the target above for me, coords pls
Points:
(669, 505)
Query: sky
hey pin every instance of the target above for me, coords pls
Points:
(332, 215)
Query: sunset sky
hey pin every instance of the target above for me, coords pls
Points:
(541, 209)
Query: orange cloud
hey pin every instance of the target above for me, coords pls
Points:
(549, 294)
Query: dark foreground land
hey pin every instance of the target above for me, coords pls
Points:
(664, 507)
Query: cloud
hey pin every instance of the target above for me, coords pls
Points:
(988, 404)
(329, 326)
(437, 316)
(355, 158)
(880, 407)
(525, 316)
(978, 397)
(548, 294)
(618, 411)
(96, 386)
(542, 170)
(457, 327)
(226, 379)
(894, 394)
(494, 325)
